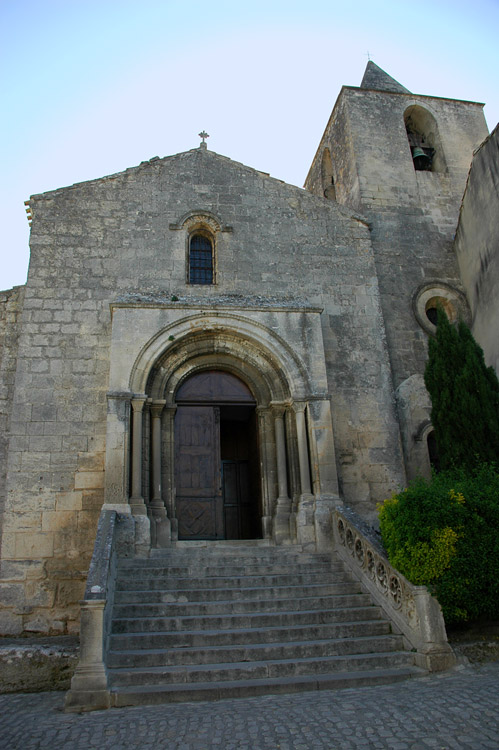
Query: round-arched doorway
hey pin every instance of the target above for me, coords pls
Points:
(217, 482)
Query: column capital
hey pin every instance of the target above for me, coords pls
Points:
(138, 402)
(119, 395)
(299, 406)
(262, 411)
(157, 405)
(279, 408)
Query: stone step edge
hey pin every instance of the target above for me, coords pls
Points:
(183, 692)
(242, 581)
(242, 631)
(285, 586)
(229, 666)
(229, 545)
(188, 559)
(359, 640)
(256, 591)
(229, 602)
(242, 571)
(291, 613)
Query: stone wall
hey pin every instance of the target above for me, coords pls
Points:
(477, 246)
(127, 234)
(10, 309)
(412, 215)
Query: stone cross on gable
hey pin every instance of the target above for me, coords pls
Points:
(204, 135)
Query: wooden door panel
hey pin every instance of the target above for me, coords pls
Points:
(197, 518)
(197, 473)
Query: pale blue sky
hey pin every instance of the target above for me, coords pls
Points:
(91, 87)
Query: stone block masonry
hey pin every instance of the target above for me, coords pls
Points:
(318, 304)
(96, 241)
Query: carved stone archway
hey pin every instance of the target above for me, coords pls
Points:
(296, 453)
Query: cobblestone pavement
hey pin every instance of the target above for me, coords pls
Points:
(451, 711)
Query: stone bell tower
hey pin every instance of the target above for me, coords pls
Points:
(401, 160)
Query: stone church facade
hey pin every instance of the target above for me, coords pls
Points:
(227, 355)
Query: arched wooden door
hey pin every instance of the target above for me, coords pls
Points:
(216, 458)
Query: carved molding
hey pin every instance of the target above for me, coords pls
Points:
(412, 609)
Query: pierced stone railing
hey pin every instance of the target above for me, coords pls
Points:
(412, 609)
(89, 685)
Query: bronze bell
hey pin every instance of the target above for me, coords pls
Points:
(421, 160)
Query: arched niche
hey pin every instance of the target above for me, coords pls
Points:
(424, 140)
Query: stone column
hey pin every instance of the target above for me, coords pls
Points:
(137, 504)
(283, 509)
(267, 463)
(156, 411)
(324, 476)
(136, 500)
(162, 534)
(89, 689)
(305, 515)
(168, 467)
(301, 431)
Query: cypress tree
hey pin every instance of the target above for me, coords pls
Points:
(465, 398)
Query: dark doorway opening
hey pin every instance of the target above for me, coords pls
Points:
(431, 443)
(240, 478)
(216, 459)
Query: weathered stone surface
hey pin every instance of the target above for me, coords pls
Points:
(312, 304)
(477, 246)
(33, 665)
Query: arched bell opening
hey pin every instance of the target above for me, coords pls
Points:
(217, 483)
(424, 140)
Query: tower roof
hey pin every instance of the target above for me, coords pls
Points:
(376, 78)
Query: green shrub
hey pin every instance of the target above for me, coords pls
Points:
(444, 534)
(464, 397)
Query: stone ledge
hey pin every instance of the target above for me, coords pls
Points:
(32, 665)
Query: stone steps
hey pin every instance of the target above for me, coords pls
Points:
(172, 583)
(167, 573)
(159, 596)
(217, 621)
(237, 606)
(250, 652)
(251, 620)
(210, 691)
(219, 672)
(188, 638)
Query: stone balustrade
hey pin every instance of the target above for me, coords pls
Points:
(412, 609)
(115, 537)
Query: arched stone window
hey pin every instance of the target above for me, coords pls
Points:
(424, 140)
(432, 295)
(201, 270)
(327, 175)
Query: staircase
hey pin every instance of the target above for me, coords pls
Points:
(228, 620)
